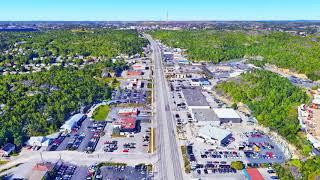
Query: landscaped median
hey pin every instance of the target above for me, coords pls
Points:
(186, 162)
(113, 164)
(152, 146)
(101, 113)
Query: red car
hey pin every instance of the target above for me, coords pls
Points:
(125, 150)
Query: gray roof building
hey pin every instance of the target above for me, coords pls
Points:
(195, 99)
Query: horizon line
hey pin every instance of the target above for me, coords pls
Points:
(159, 20)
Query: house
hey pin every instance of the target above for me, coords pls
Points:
(72, 122)
(7, 149)
(214, 135)
(106, 73)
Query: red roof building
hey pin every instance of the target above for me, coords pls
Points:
(134, 73)
(126, 124)
(254, 174)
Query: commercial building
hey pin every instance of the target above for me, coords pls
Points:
(199, 82)
(7, 149)
(135, 84)
(226, 115)
(126, 124)
(128, 112)
(214, 135)
(38, 141)
(134, 73)
(204, 117)
(139, 66)
(168, 55)
(183, 61)
(72, 122)
(195, 99)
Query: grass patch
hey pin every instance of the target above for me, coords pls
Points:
(186, 162)
(149, 86)
(117, 136)
(101, 113)
(3, 162)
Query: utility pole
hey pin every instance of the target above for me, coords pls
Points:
(41, 158)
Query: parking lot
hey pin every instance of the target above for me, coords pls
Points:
(127, 96)
(114, 171)
(63, 171)
(252, 147)
(132, 143)
(81, 138)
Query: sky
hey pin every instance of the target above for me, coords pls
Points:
(144, 10)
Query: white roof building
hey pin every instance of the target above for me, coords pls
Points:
(38, 141)
(213, 134)
(68, 125)
(315, 142)
(226, 115)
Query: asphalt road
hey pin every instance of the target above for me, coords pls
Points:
(169, 166)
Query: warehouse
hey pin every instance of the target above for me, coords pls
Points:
(204, 117)
(72, 122)
(214, 135)
(195, 99)
(226, 115)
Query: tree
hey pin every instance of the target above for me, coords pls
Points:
(238, 165)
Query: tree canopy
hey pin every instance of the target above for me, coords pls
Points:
(20, 48)
(273, 101)
(301, 54)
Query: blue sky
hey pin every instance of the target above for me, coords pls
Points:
(107, 10)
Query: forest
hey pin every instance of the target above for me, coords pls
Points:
(39, 103)
(33, 104)
(307, 169)
(20, 48)
(300, 54)
(273, 100)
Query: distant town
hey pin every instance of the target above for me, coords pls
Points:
(160, 100)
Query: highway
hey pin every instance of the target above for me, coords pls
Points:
(169, 166)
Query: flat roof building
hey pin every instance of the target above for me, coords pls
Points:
(204, 116)
(195, 99)
(38, 141)
(126, 124)
(72, 122)
(214, 135)
(226, 115)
